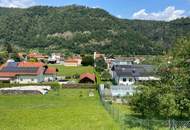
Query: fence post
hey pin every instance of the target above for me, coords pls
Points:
(173, 125)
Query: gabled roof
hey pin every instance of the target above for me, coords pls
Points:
(133, 70)
(30, 64)
(50, 70)
(37, 55)
(88, 75)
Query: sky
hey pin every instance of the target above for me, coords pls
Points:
(165, 10)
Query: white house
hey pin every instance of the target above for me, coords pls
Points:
(73, 61)
(26, 72)
(129, 74)
(56, 58)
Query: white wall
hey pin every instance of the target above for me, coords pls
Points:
(28, 79)
(70, 64)
(122, 90)
(127, 81)
(48, 78)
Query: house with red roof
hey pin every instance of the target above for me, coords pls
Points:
(87, 78)
(50, 74)
(38, 56)
(73, 61)
(26, 72)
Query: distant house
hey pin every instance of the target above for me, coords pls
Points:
(98, 55)
(129, 74)
(126, 60)
(123, 61)
(22, 56)
(56, 58)
(50, 74)
(38, 56)
(26, 72)
(73, 61)
(87, 78)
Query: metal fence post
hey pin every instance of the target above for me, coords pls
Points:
(173, 125)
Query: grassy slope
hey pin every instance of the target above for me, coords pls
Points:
(63, 111)
(69, 71)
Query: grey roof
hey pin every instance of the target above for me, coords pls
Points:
(12, 64)
(134, 70)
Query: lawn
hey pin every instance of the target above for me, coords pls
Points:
(125, 109)
(69, 70)
(68, 109)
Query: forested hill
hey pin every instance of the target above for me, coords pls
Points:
(83, 30)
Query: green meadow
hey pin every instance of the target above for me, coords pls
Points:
(70, 70)
(68, 109)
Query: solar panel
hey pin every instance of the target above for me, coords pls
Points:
(11, 64)
(20, 69)
(132, 70)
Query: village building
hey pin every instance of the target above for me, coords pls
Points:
(98, 55)
(125, 60)
(73, 61)
(129, 74)
(26, 72)
(38, 56)
(56, 58)
(87, 78)
(22, 56)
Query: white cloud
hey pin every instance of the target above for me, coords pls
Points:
(17, 3)
(119, 16)
(170, 13)
(95, 7)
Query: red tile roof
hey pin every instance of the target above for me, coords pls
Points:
(7, 74)
(36, 55)
(50, 70)
(71, 61)
(30, 64)
(88, 75)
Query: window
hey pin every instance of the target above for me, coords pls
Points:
(130, 79)
(32, 79)
(124, 79)
(21, 79)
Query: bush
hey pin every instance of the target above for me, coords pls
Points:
(100, 64)
(87, 61)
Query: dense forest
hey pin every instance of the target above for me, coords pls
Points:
(80, 29)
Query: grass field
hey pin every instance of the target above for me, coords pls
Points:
(68, 109)
(69, 71)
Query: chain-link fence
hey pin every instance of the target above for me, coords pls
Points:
(133, 123)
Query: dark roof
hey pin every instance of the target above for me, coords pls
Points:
(133, 70)
(11, 64)
(19, 69)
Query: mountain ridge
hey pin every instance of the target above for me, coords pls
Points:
(84, 30)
